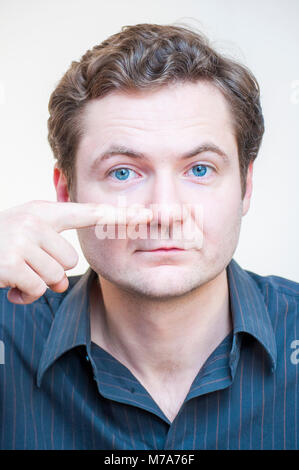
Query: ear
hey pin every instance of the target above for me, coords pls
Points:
(248, 193)
(60, 184)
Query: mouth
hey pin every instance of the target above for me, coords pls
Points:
(167, 249)
(163, 250)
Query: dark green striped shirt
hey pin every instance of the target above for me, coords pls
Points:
(58, 390)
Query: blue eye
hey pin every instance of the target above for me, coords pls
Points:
(121, 173)
(199, 170)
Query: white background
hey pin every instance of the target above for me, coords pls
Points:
(40, 38)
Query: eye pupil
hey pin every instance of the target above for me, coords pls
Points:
(199, 170)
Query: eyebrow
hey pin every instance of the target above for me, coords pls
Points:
(114, 150)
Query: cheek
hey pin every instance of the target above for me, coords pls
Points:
(92, 193)
(222, 218)
(105, 250)
(90, 190)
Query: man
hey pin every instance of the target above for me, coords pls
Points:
(160, 344)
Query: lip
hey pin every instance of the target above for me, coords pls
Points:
(162, 250)
(168, 249)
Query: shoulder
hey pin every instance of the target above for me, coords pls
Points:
(281, 297)
(35, 317)
(277, 284)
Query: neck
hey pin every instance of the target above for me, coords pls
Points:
(160, 340)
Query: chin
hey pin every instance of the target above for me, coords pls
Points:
(163, 287)
(166, 294)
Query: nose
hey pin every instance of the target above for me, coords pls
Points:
(166, 202)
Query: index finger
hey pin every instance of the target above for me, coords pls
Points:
(69, 215)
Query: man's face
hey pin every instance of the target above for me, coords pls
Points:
(163, 125)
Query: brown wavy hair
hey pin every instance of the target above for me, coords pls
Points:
(145, 57)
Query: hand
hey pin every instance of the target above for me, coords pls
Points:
(33, 256)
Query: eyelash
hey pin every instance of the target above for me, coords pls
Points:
(130, 169)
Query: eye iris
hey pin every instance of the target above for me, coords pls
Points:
(199, 170)
(122, 172)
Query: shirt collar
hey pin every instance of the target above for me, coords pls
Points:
(249, 311)
(71, 324)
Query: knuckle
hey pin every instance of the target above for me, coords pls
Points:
(35, 204)
(10, 261)
(18, 243)
(23, 221)
(38, 289)
(71, 260)
(57, 276)
(29, 221)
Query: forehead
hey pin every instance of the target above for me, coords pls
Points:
(177, 116)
